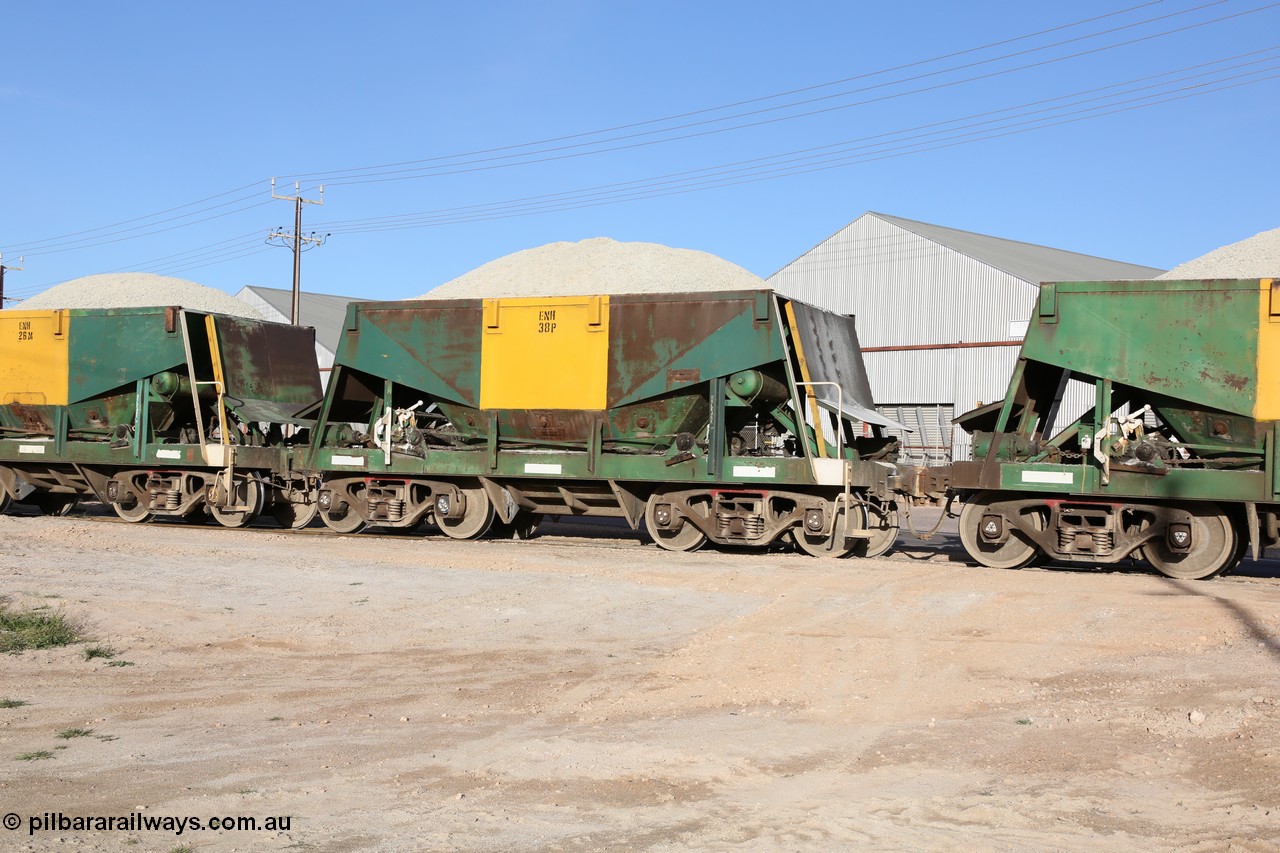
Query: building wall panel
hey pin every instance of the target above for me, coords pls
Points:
(904, 289)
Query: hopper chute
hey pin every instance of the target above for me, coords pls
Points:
(829, 353)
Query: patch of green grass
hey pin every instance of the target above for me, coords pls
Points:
(92, 652)
(12, 703)
(68, 734)
(183, 849)
(121, 663)
(1025, 721)
(274, 719)
(363, 601)
(106, 738)
(21, 630)
(35, 756)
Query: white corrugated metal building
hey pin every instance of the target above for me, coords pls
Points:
(940, 314)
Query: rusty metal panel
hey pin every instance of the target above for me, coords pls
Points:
(270, 369)
(1194, 341)
(433, 347)
(113, 348)
(659, 343)
(549, 425)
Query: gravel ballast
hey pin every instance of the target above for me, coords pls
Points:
(1256, 257)
(137, 290)
(597, 266)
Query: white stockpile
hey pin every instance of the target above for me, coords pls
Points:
(595, 266)
(137, 290)
(1256, 257)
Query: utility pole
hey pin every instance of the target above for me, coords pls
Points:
(297, 239)
(2, 269)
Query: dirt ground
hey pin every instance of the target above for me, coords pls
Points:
(584, 692)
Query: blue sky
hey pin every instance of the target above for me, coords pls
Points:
(142, 136)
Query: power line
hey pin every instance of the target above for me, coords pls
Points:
(81, 240)
(39, 243)
(603, 146)
(4, 269)
(214, 261)
(332, 175)
(770, 167)
(115, 237)
(792, 163)
(251, 237)
(566, 200)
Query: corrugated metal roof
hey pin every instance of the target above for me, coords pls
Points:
(1026, 261)
(322, 311)
(905, 288)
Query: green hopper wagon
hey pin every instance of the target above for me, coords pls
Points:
(155, 411)
(1174, 464)
(735, 417)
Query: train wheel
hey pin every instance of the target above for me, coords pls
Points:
(1242, 548)
(833, 544)
(883, 524)
(1014, 552)
(477, 516)
(134, 513)
(686, 537)
(55, 504)
(349, 523)
(248, 494)
(294, 515)
(1214, 550)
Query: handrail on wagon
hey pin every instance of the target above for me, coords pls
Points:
(817, 434)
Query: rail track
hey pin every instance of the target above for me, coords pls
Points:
(613, 535)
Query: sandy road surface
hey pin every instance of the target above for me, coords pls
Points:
(594, 694)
